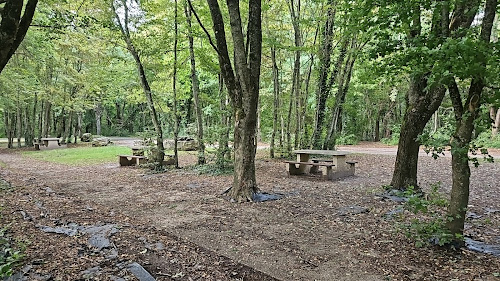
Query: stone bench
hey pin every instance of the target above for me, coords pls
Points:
(294, 170)
(131, 160)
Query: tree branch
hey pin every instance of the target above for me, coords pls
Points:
(202, 26)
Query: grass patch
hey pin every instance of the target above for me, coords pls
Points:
(80, 155)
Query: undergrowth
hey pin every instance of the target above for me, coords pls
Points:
(425, 222)
(214, 169)
(11, 253)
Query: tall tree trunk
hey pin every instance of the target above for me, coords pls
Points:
(66, 138)
(19, 130)
(323, 90)
(79, 126)
(495, 120)
(223, 148)
(98, 117)
(421, 105)
(276, 94)
(336, 124)
(159, 154)
(422, 101)
(46, 118)
(243, 87)
(465, 115)
(196, 90)
(296, 81)
(174, 87)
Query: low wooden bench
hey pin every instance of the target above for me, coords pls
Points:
(131, 160)
(294, 170)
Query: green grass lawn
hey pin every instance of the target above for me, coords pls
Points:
(80, 155)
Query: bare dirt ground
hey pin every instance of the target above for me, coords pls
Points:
(178, 226)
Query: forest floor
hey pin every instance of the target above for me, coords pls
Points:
(105, 222)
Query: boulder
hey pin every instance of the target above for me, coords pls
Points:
(87, 137)
(102, 141)
(183, 144)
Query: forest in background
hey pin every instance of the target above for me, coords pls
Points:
(333, 72)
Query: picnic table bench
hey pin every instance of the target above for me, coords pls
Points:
(131, 160)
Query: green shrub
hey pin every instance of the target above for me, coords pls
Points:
(349, 139)
(485, 139)
(394, 139)
(10, 256)
(427, 224)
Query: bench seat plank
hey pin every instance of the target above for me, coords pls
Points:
(310, 163)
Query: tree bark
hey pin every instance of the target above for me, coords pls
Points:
(422, 102)
(174, 87)
(336, 124)
(465, 115)
(223, 148)
(19, 129)
(196, 90)
(46, 119)
(276, 94)
(495, 120)
(98, 117)
(296, 81)
(243, 87)
(13, 27)
(323, 90)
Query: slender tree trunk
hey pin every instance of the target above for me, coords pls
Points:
(323, 90)
(79, 126)
(19, 129)
(296, 81)
(174, 87)
(46, 119)
(159, 154)
(465, 115)
(98, 117)
(196, 90)
(67, 130)
(336, 124)
(495, 120)
(223, 148)
(276, 94)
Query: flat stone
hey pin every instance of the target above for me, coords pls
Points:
(91, 272)
(482, 247)
(393, 212)
(352, 210)
(472, 215)
(139, 272)
(264, 196)
(59, 230)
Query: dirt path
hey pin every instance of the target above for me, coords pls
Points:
(312, 234)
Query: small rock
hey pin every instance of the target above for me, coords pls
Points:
(139, 272)
(91, 272)
(87, 137)
(472, 215)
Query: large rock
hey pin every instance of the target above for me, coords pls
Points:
(183, 144)
(102, 141)
(87, 137)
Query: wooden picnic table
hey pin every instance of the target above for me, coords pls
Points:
(336, 164)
